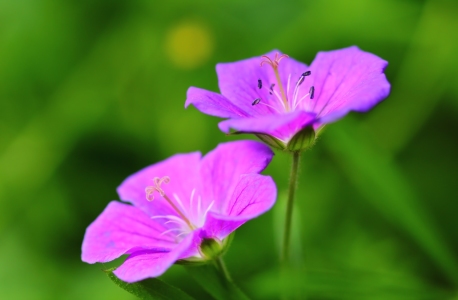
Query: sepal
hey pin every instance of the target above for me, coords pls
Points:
(302, 140)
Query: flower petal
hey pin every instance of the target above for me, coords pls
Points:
(347, 79)
(183, 171)
(222, 168)
(253, 195)
(121, 229)
(213, 104)
(144, 264)
(282, 127)
(238, 82)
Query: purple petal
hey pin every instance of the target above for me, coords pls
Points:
(121, 229)
(238, 82)
(253, 195)
(183, 171)
(222, 168)
(213, 104)
(347, 79)
(282, 127)
(144, 264)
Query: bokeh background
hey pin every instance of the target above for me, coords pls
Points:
(93, 90)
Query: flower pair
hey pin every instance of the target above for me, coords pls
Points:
(185, 208)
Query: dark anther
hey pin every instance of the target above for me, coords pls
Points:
(301, 79)
(259, 83)
(271, 88)
(311, 92)
(256, 101)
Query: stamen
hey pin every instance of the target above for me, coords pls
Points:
(170, 217)
(176, 222)
(279, 99)
(192, 197)
(262, 103)
(312, 91)
(259, 83)
(287, 84)
(179, 201)
(302, 77)
(297, 104)
(170, 230)
(256, 101)
(185, 232)
(271, 89)
(199, 205)
(209, 207)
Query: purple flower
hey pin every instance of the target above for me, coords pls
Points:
(284, 101)
(180, 205)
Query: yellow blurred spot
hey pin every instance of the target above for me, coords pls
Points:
(189, 44)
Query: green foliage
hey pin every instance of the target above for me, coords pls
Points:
(149, 289)
(214, 283)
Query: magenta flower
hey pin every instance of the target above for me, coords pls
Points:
(284, 102)
(180, 205)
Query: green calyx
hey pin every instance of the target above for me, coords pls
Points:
(211, 249)
(271, 141)
(302, 140)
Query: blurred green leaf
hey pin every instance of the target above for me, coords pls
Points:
(150, 289)
(325, 284)
(215, 283)
(383, 184)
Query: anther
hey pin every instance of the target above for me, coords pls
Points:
(259, 83)
(311, 92)
(271, 89)
(302, 77)
(256, 101)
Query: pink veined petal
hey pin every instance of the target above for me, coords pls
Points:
(144, 264)
(213, 104)
(254, 195)
(183, 171)
(120, 229)
(347, 79)
(282, 126)
(238, 82)
(222, 168)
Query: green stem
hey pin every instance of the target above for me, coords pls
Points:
(222, 268)
(285, 253)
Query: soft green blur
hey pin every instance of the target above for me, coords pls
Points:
(93, 90)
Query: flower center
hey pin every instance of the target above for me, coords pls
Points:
(187, 219)
(157, 188)
(288, 104)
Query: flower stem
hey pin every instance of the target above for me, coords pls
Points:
(285, 253)
(222, 268)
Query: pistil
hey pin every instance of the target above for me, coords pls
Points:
(274, 64)
(157, 188)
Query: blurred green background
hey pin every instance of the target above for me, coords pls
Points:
(93, 90)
